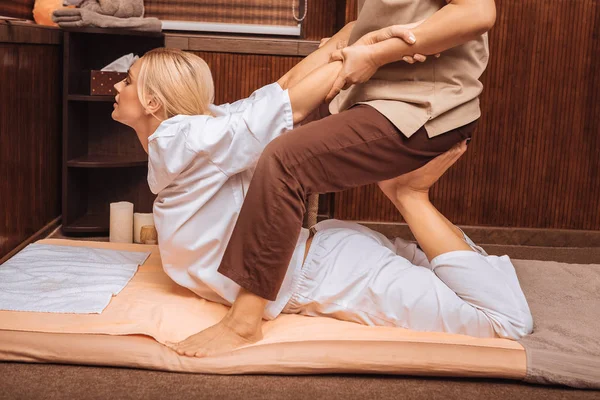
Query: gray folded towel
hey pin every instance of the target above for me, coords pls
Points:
(80, 17)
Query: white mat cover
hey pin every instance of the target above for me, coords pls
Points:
(65, 279)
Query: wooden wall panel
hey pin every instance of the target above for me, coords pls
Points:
(17, 8)
(321, 18)
(535, 157)
(351, 10)
(12, 31)
(30, 142)
(237, 75)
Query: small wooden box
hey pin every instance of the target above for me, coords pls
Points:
(102, 82)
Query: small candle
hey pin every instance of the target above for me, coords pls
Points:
(149, 235)
(121, 222)
(140, 220)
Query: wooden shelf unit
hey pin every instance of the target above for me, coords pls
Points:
(106, 161)
(103, 161)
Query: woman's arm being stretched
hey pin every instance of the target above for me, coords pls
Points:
(317, 58)
(322, 55)
(308, 93)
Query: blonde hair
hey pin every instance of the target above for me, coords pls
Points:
(180, 82)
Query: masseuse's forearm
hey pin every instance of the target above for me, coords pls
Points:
(309, 93)
(455, 24)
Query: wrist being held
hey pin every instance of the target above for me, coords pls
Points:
(361, 60)
(358, 66)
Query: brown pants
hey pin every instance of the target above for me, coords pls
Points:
(353, 148)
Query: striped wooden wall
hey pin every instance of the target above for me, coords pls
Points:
(351, 10)
(238, 75)
(17, 8)
(535, 158)
(323, 19)
(30, 140)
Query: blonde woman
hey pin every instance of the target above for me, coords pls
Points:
(201, 160)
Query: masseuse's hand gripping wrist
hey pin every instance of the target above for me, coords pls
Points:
(359, 61)
(358, 67)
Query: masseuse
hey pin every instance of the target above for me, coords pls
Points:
(393, 118)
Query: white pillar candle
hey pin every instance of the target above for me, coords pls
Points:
(121, 222)
(139, 220)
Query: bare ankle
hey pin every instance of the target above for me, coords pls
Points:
(248, 328)
(245, 315)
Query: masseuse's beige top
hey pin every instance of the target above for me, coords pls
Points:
(441, 94)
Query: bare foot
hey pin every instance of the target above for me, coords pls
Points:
(223, 337)
(421, 180)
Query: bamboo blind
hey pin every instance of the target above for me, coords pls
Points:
(262, 12)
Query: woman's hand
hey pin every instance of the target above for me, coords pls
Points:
(323, 41)
(359, 66)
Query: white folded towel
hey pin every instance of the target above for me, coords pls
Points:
(65, 279)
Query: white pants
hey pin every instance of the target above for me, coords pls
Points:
(355, 274)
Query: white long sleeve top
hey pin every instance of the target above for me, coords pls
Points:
(200, 168)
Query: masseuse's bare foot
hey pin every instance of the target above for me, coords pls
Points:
(419, 181)
(220, 338)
